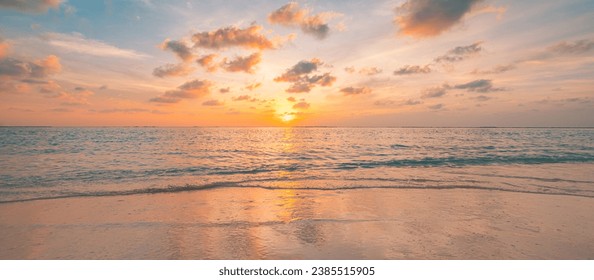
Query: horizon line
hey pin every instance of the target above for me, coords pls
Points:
(296, 126)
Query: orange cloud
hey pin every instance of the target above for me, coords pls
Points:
(242, 64)
(301, 105)
(249, 38)
(80, 97)
(17, 69)
(253, 86)
(370, 71)
(291, 15)
(4, 47)
(207, 61)
(428, 18)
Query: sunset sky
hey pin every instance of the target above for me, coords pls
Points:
(269, 63)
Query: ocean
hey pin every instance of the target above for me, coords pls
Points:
(38, 163)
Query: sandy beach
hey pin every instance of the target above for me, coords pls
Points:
(254, 223)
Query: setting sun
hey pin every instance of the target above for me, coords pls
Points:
(287, 117)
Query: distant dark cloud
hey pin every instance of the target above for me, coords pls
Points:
(212, 102)
(189, 90)
(173, 70)
(300, 75)
(34, 82)
(30, 6)
(482, 86)
(436, 107)
(409, 102)
(225, 90)
(412, 69)
(482, 98)
(291, 99)
(412, 102)
(293, 16)
(460, 53)
(129, 111)
(435, 92)
(242, 64)
(180, 49)
(249, 38)
(355, 90)
(428, 18)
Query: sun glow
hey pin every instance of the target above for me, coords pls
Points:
(287, 117)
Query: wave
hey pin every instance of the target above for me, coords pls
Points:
(227, 185)
(460, 161)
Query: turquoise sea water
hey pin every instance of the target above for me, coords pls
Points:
(52, 162)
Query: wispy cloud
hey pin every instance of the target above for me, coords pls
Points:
(460, 53)
(370, 71)
(497, 69)
(577, 47)
(482, 86)
(479, 86)
(212, 102)
(301, 105)
(76, 42)
(253, 86)
(355, 90)
(30, 6)
(189, 90)
(173, 70)
(412, 69)
(435, 92)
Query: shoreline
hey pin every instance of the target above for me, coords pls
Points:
(256, 223)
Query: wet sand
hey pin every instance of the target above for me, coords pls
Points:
(252, 223)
